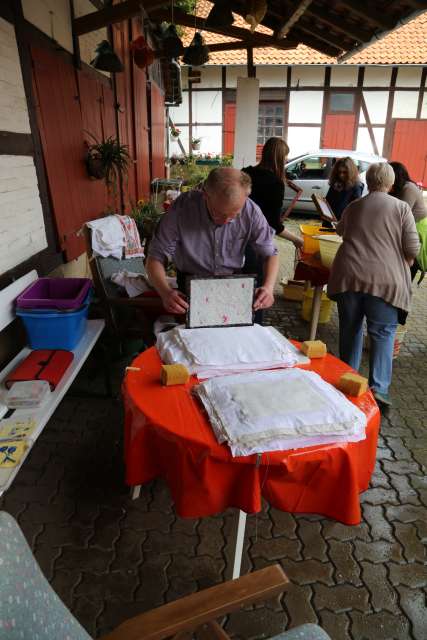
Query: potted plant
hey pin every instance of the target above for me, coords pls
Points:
(174, 132)
(146, 216)
(107, 160)
(195, 143)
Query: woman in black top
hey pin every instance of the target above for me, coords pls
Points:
(345, 185)
(268, 186)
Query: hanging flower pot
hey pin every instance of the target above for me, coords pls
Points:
(197, 53)
(172, 46)
(195, 144)
(143, 55)
(220, 15)
(95, 165)
(174, 133)
(106, 59)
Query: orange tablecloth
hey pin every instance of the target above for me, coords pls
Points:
(167, 435)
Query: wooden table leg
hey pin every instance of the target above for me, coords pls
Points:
(238, 541)
(315, 311)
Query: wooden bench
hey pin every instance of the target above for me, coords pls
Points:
(40, 416)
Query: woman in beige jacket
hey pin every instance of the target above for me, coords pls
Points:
(370, 275)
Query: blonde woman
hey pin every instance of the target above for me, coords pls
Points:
(370, 275)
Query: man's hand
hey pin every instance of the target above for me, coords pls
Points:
(174, 301)
(264, 298)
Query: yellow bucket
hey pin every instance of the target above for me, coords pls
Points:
(325, 307)
(311, 245)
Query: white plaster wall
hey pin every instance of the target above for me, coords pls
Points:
(405, 104)
(52, 17)
(211, 78)
(305, 106)
(303, 139)
(344, 76)
(211, 139)
(307, 75)
(89, 41)
(377, 77)
(376, 104)
(181, 113)
(13, 103)
(408, 77)
(207, 106)
(272, 76)
(424, 106)
(239, 71)
(22, 231)
(364, 143)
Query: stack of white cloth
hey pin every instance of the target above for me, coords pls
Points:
(278, 411)
(108, 238)
(220, 351)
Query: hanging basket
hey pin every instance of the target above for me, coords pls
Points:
(106, 59)
(95, 166)
(195, 146)
(256, 13)
(143, 55)
(172, 43)
(197, 53)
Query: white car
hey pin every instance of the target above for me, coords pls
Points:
(311, 171)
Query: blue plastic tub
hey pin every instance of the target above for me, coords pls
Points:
(55, 329)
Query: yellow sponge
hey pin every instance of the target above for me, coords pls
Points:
(174, 374)
(352, 384)
(314, 348)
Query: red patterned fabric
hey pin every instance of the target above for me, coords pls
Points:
(167, 435)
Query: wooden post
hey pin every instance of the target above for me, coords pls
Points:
(250, 62)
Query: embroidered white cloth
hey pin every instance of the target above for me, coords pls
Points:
(108, 238)
(279, 410)
(133, 248)
(224, 350)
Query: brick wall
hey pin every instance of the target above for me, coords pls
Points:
(22, 232)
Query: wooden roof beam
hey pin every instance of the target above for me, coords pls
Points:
(239, 44)
(293, 18)
(364, 10)
(323, 35)
(112, 14)
(255, 39)
(353, 32)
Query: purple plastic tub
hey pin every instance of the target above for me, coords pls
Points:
(55, 293)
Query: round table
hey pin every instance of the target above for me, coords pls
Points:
(168, 435)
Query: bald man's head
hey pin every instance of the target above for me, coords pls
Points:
(226, 190)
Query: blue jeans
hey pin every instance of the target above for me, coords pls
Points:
(381, 319)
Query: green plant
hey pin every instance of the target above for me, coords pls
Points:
(174, 131)
(107, 159)
(146, 216)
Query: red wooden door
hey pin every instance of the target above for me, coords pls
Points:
(125, 107)
(229, 128)
(60, 124)
(92, 108)
(409, 146)
(338, 132)
(158, 124)
(142, 153)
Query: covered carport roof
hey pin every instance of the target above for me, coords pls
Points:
(332, 27)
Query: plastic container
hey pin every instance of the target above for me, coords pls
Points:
(329, 246)
(55, 329)
(325, 307)
(55, 293)
(311, 244)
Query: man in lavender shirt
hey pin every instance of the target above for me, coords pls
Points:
(206, 233)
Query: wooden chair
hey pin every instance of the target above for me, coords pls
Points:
(125, 317)
(29, 607)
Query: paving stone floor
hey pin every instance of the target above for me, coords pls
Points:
(109, 557)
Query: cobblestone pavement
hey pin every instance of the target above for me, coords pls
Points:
(110, 558)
